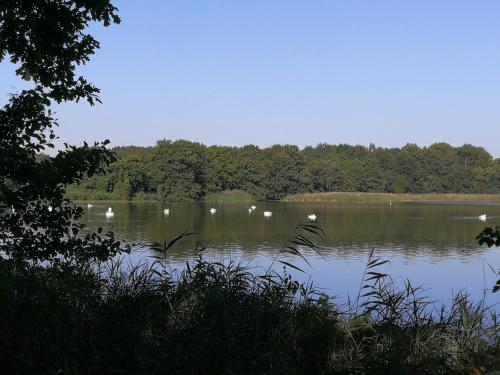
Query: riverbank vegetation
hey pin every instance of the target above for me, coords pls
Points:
(229, 196)
(339, 197)
(218, 317)
(183, 171)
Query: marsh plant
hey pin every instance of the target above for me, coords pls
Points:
(224, 317)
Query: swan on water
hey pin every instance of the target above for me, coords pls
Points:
(311, 217)
(109, 212)
(268, 214)
(213, 211)
(90, 205)
(13, 209)
(49, 208)
(482, 217)
(250, 210)
(166, 211)
(253, 207)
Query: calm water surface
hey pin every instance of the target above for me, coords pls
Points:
(431, 244)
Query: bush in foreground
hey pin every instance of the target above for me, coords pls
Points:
(218, 317)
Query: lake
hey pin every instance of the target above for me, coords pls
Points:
(432, 244)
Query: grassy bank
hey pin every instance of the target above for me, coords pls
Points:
(238, 196)
(220, 318)
(230, 196)
(77, 194)
(335, 197)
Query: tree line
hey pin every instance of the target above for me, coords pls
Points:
(182, 170)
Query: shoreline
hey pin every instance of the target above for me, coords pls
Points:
(337, 197)
(347, 197)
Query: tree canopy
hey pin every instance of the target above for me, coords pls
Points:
(183, 170)
(46, 39)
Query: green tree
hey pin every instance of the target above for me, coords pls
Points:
(221, 169)
(323, 176)
(47, 40)
(284, 172)
(178, 170)
(184, 170)
(251, 170)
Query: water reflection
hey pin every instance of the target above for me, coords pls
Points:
(433, 243)
(410, 229)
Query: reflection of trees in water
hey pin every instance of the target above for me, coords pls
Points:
(408, 230)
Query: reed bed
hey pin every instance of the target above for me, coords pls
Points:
(219, 317)
(339, 197)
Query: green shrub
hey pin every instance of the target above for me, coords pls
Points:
(230, 196)
(218, 317)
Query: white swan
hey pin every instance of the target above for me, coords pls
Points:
(90, 205)
(482, 217)
(109, 212)
(253, 207)
(311, 217)
(166, 211)
(250, 210)
(49, 208)
(213, 211)
(13, 209)
(268, 214)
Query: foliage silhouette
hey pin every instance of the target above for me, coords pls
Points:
(47, 40)
(220, 317)
(491, 237)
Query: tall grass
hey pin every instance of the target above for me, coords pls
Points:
(338, 197)
(222, 317)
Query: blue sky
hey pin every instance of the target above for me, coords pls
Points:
(299, 72)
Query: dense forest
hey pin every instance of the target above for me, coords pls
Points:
(182, 170)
